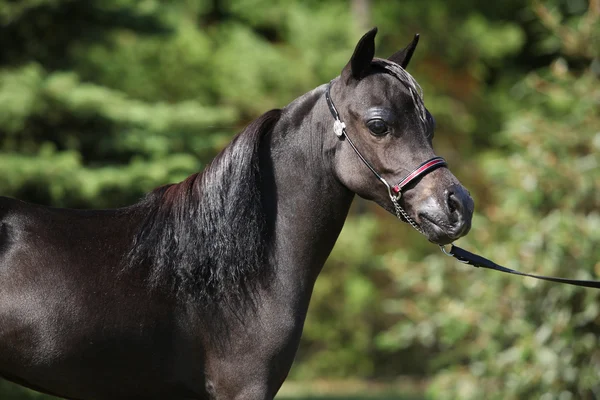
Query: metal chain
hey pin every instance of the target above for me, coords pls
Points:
(401, 213)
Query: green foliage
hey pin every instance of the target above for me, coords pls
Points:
(480, 334)
(92, 124)
(493, 336)
(532, 339)
(11, 391)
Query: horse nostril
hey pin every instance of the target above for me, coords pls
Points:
(454, 204)
(459, 205)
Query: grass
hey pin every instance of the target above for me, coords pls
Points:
(352, 390)
(389, 396)
(358, 397)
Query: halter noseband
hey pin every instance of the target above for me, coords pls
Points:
(395, 191)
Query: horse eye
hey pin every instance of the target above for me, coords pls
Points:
(377, 126)
(431, 120)
(431, 123)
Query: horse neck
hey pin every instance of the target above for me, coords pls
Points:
(307, 204)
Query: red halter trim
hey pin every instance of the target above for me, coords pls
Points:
(421, 170)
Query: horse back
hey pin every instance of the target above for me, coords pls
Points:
(44, 241)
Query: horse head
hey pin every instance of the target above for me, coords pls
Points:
(385, 133)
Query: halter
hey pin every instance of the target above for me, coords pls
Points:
(394, 191)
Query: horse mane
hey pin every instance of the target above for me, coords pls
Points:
(205, 236)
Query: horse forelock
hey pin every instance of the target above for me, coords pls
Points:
(407, 80)
(204, 238)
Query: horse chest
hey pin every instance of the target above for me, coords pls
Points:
(256, 351)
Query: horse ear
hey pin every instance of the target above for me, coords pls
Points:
(403, 57)
(361, 58)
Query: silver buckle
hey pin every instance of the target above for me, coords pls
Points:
(338, 128)
(443, 248)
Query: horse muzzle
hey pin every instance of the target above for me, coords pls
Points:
(444, 219)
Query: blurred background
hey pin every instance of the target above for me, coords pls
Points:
(103, 100)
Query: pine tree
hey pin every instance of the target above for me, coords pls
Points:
(88, 118)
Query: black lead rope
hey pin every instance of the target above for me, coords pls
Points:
(467, 257)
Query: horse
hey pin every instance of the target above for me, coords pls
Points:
(200, 290)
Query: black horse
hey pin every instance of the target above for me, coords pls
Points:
(200, 290)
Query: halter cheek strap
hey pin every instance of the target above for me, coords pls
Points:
(339, 128)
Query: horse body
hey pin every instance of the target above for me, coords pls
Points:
(111, 324)
(54, 320)
(123, 304)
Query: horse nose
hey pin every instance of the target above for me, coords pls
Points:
(460, 210)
